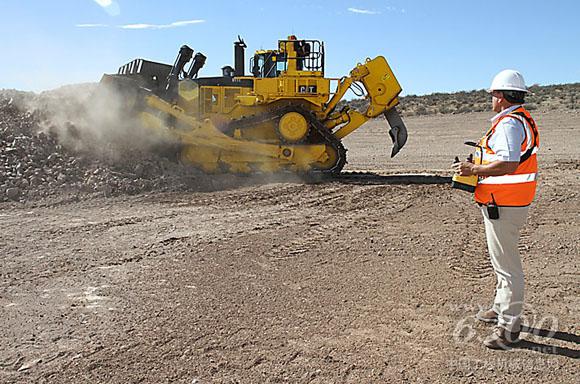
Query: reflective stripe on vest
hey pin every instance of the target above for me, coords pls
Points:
(509, 179)
(517, 188)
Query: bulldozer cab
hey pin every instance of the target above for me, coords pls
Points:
(264, 64)
(292, 56)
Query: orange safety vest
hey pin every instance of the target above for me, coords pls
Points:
(516, 189)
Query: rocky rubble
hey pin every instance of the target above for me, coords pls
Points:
(33, 164)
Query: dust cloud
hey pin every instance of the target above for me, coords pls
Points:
(97, 121)
(81, 140)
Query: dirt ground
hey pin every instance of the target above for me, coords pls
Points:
(354, 281)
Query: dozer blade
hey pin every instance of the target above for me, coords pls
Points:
(122, 92)
(398, 131)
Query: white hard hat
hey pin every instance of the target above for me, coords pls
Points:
(508, 80)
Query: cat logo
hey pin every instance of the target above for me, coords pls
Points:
(307, 89)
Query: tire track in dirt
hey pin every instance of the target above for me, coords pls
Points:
(287, 282)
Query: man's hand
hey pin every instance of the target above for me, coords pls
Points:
(464, 168)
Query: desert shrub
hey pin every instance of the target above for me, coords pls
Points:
(481, 108)
(444, 109)
(465, 108)
(421, 110)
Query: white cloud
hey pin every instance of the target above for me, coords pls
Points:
(363, 11)
(185, 22)
(110, 6)
(161, 26)
(137, 26)
(175, 24)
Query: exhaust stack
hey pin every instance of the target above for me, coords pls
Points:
(239, 57)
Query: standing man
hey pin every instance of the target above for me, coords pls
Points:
(507, 171)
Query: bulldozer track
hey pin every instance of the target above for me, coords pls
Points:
(319, 134)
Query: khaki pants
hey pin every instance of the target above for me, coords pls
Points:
(503, 235)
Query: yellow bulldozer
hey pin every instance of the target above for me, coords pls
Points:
(281, 117)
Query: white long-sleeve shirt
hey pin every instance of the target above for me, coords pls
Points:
(509, 135)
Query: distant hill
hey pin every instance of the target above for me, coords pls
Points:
(543, 97)
(546, 97)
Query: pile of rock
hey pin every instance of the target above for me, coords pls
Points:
(33, 164)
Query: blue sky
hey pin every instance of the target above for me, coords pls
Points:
(432, 46)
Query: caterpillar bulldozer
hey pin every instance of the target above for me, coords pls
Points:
(283, 116)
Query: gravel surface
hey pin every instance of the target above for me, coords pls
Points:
(340, 281)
